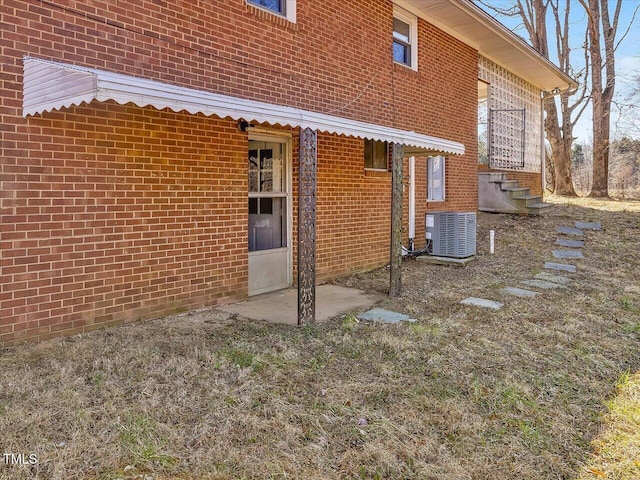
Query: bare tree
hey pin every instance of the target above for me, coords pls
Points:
(602, 69)
(624, 172)
(602, 46)
(559, 122)
(582, 167)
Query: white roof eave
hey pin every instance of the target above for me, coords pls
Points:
(473, 26)
(50, 85)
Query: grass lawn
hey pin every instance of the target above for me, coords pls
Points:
(545, 388)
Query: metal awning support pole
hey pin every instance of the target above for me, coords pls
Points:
(307, 226)
(395, 284)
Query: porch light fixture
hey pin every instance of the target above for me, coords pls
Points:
(243, 125)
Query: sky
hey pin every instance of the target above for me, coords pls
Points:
(627, 61)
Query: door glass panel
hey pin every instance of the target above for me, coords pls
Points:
(268, 226)
(253, 170)
(268, 197)
(266, 167)
(253, 206)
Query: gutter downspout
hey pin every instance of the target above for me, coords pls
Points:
(412, 201)
(543, 155)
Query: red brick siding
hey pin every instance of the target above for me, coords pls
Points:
(138, 213)
(442, 98)
(112, 213)
(354, 209)
(533, 181)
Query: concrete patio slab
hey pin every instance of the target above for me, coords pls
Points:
(282, 306)
(482, 302)
(455, 262)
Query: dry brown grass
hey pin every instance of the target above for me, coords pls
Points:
(463, 393)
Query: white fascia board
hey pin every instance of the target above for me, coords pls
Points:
(73, 85)
(540, 71)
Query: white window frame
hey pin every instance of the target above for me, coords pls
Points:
(289, 9)
(412, 21)
(435, 177)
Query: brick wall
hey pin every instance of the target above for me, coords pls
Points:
(136, 214)
(113, 213)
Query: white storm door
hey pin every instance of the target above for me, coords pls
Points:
(269, 214)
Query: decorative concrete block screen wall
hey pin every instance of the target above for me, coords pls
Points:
(509, 92)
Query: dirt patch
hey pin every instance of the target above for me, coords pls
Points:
(463, 393)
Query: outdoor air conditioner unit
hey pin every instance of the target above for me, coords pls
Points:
(451, 234)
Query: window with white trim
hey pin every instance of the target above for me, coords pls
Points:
(285, 8)
(435, 178)
(376, 155)
(405, 38)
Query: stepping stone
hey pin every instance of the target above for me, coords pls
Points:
(482, 302)
(542, 284)
(518, 292)
(567, 254)
(384, 316)
(570, 231)
(589, 225)
(559, 279)
(563, 242)
(560, 266)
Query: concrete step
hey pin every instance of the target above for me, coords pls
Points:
(493, 177)
(539, 208)
(482, 302)
(563, 242)
(498, 194)
(507, 184)
(517, 192)
(528, 199)
(563, 267)
(589, 226)
(518, 292)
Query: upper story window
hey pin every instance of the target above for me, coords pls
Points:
(376, 155)
(277, 6)
(405, 38)
(284, 8)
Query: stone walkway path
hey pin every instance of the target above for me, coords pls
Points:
(554, 277)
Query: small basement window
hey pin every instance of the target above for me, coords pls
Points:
(435, 179)
(376, 155)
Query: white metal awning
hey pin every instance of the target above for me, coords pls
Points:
(52, 85)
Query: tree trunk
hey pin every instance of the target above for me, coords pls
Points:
(601, 93)
(559, 131)
(600, 174)
(560, 150)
